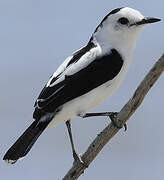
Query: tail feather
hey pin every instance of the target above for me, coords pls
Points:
(25, 142)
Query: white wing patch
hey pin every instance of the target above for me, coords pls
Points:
(63, 70)
(59, 71)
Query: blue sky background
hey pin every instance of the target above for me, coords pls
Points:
(35, 38)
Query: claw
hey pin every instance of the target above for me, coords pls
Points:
(112, 117)
(125, 127)
(77, 159)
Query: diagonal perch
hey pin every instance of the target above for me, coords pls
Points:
(125, 113)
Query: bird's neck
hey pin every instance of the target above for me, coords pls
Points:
(123, 45)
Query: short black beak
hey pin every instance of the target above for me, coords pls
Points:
(146, 20)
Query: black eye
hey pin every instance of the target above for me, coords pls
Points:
(123, 20)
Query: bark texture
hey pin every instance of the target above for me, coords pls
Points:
(126, 112)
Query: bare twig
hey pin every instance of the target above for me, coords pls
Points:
(125, 113)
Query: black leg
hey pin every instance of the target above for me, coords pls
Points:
(75, 155)
(112, 116)
(98, 114)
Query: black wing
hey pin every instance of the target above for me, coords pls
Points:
(101, 70)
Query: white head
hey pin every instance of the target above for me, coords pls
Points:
(120, 28)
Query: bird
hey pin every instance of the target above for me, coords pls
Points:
(85, 79)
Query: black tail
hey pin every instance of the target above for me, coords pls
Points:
(23, 145)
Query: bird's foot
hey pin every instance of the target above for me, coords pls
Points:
(112, 115)
(78, 160)
(117, 124)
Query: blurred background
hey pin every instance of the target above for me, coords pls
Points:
(35, 38)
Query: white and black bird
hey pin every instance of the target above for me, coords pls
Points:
(86, 78)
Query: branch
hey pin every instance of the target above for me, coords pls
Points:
(125, 113)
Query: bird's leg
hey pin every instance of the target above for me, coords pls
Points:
(112, 116)
(97, 114)
(76, 157)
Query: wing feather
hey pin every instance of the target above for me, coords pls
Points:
(89, 72)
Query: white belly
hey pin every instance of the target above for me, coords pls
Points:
(89, 100)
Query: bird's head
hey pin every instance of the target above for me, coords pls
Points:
(121, 27)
